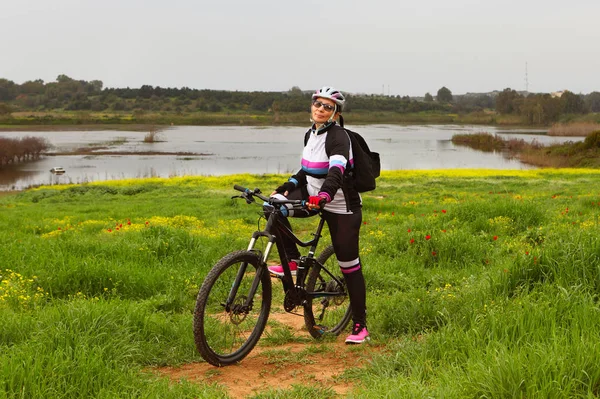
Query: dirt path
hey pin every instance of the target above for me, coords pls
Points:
(279, 366)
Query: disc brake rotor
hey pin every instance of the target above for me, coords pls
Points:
(239, 311)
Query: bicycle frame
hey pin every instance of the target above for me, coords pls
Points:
(273, 225)
(273, 228)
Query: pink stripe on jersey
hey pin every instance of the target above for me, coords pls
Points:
(315, 165)
(324, 194)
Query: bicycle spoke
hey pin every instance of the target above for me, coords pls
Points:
(225, 331)
(329, 312)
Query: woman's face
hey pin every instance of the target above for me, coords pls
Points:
(320, 113)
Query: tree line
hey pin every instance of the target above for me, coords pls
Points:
(546, 108)
(80, 95)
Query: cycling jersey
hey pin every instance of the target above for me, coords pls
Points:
(326, 157)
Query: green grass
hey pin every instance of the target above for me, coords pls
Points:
(298, 392)
(480, 284)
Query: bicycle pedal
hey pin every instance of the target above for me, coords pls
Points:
(320, 329)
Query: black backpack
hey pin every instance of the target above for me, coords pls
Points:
(367, 164)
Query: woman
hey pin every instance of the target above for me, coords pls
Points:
(326, 156)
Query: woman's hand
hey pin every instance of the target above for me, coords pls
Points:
(316, 202)
(284, 189)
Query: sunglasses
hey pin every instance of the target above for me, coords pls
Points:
(318, 104)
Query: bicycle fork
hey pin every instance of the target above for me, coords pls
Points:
(247, 304)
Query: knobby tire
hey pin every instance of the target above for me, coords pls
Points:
(226, 336)
(326, 315)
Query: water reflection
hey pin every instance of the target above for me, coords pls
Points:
(242, 149)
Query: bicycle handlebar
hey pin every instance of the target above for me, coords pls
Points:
(248, 195)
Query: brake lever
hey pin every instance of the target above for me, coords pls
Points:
(249, 200)
(248, 197)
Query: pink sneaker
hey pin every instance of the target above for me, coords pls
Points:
(359, 335)
(278, 270)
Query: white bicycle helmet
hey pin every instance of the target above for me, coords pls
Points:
(332, 94)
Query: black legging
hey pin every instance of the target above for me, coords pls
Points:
(344, 230)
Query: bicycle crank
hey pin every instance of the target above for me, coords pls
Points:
(293, 299)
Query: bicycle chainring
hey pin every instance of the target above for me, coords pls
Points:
(291, 301)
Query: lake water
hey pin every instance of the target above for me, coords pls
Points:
(243, 149)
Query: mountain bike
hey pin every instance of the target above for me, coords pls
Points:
(234, 301)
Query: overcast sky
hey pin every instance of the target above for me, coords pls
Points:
(368, 46)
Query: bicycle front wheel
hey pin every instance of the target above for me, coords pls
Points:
(328, 313)
(232, 308)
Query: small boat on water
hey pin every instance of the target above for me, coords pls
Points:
(58, 170)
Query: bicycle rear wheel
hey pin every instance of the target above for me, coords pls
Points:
(225, 331)
(326, 314)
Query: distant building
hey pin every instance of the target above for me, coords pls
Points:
(557, 94)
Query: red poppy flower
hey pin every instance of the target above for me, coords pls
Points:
(427, 237)
(443, 211)
(495, 238)
(409, 230)
(412, 240)
(433, 253)
(443, 231)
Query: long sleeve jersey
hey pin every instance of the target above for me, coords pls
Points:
(326, 156)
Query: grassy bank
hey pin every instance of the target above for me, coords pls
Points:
(584, 154)
(580, 129)
(481, 283)
(147, 120)
(56, 120)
